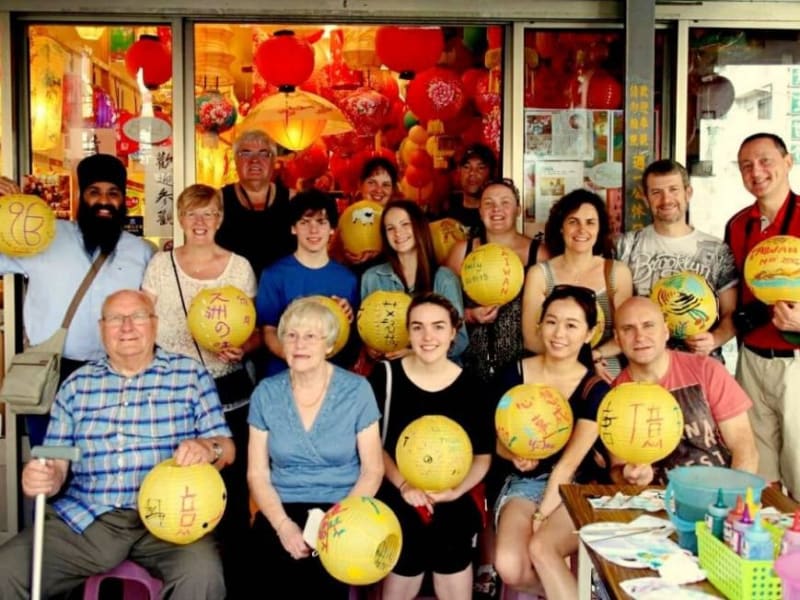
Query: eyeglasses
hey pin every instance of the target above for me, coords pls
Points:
(140, 317)
(251, 154)
(308, 338)
(205, 215)
(573, 291)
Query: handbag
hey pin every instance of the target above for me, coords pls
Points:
(32, 379)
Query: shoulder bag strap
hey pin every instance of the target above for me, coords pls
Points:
(387, 402)
(87, 281)
(183, 302)
(611, 288)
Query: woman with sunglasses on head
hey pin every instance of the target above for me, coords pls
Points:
(578, 238)
(534, 530)
(172, 280)
(411, 267)
(495, 336)
(438, 527)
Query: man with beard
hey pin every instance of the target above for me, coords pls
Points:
(54, 275)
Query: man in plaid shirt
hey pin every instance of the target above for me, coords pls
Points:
(126, 413)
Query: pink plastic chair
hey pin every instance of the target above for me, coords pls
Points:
(137, 583)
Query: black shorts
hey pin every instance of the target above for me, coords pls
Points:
(444, 545)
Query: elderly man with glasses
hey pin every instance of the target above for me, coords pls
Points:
(127, 412)
(256, 207)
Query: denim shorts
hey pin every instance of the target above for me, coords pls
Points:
(517, 486)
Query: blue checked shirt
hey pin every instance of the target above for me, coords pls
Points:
(125, 426)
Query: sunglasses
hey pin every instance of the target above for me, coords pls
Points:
(573, 291)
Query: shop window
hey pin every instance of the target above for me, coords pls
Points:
(103, 88)
(416, 95)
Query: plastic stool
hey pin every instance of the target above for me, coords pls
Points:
(137, 583)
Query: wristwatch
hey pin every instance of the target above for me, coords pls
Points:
(217, 452)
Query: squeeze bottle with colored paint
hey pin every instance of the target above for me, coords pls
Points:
(715, 515)
(791, 537)
(739, 528)
(733, 515)
(757, 542)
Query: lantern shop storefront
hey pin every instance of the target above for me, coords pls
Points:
(565, 94)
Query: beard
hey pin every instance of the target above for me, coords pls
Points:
(100, 231)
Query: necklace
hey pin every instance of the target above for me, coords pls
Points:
(319, 397)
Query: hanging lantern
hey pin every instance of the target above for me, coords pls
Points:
(105, 114)
(409, 50)
(47, 72)
(149, 54)
(358, 48)
(285, 60)
(90, 33)
(435, 94)
(214, 112)
(119, 40)
(603, 91)
(366, 109)
(214, 160)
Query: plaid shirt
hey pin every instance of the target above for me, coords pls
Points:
(125, 426)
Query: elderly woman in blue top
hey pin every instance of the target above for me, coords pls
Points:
(412, 268)
(126, 413)
(314, 440)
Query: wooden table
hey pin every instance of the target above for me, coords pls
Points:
(575, 499)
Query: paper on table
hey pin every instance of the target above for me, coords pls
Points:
(655, 588)
(648, 500)
(626, 545)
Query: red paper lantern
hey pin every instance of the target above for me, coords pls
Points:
(284, 60)
(435, 94)
(125, 145)
(312, 162)
(409, 50)
(603, 92)
(366, 110)
(149, 54)
(485, 99)
(494, 36)
(418, 177)
(421, 159)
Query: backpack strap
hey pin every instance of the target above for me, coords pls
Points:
(611, 287)
(387, 401)
(589, 386)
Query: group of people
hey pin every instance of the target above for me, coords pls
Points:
(293, 427)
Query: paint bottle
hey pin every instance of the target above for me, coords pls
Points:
(757, 542)
(791, 537)
(733, 515)
(740, 527)
(716, 514)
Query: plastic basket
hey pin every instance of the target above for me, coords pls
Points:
(737, 578)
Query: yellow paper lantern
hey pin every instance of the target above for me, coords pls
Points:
(221, 318)
(381, 320)
(433, 453)
(360, 227)
(492, 274)
(533, 420)
(358, 48)
(640, 422)
(359, 540)
(445, 234)
(341, 317)
(181, 504)
(27, 225)
(772, 269)
(688, 303)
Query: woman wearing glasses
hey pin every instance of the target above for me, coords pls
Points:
(411, 266)
(172, 279)
(314, 440)
(438, 527)
(534, 531)
(495, 337)
(257, 206)
(578, 238)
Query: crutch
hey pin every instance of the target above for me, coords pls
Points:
(69, 453)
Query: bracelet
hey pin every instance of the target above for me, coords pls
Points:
(400, 487)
